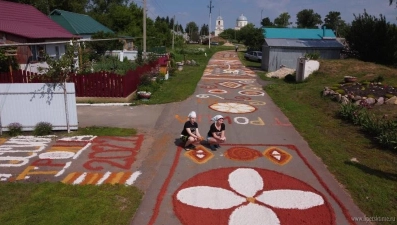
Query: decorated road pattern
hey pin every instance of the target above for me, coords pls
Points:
(76, 160)
(264, 174)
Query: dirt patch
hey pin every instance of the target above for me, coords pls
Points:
(369, 90)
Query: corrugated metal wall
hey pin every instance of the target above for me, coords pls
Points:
(277, 56)
(31, 103)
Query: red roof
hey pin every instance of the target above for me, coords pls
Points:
(27, 21)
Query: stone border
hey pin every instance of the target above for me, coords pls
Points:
(356, 100)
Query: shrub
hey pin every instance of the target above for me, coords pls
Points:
(312, 55)
(42, 128)
(14, 129)
(289, 78)
(340, 91)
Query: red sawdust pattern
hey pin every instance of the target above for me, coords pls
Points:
(190, 215)
(242, 154)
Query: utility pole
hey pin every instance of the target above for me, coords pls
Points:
(173, 33)
(209, 27)
(144, 28)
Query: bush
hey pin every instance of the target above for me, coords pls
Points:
(14, 129)
(42, 128)
(312, 55)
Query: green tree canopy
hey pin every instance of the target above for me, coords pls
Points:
(266, 22)
(46, 6)
(333, 20)
(283, 20)
(251, 37)
(307, 18)
(228, 34)
(204, 29)
(373, 39)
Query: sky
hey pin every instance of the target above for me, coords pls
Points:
(198, 11)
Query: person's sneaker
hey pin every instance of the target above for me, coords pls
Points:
(212, 147)
(191, 146)
(217, 146)
(187, 148)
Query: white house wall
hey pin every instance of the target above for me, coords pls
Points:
(29, 104)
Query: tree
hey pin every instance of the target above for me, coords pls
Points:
(204, 29)
(46, 6)
(192, 30)
(266, 22)
(229, 34)
(191, 27)
(373, 39)
(251, 36)
(308, 19)
(59, 71)
(282, 20)
(333, 21)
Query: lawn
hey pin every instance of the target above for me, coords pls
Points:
(371, 178)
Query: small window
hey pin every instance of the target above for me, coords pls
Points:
(56, 52)
(38, 52)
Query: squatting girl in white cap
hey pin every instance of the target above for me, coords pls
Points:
(190, 133)
(216, 134)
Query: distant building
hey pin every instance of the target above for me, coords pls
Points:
(284, 46)
(78, 24)
(241, 22)
(219, 28)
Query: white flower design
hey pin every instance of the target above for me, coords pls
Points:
(232, 107)
(247, 182)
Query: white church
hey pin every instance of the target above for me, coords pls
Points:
(240, 22)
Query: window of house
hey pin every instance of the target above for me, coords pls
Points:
(38, 52)
(56, 52)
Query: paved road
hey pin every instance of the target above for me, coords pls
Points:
(265, 173)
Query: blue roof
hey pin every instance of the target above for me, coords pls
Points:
(298, 33)
(303, 43)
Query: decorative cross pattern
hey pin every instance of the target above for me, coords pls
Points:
(200, 155)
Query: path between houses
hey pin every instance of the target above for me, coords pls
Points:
(265, 173)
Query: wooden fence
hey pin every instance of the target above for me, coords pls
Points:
(100, 84)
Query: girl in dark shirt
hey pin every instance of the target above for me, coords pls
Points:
(190, 133)
(216, 134)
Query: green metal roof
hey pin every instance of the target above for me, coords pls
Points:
(78, 24)
(298, 33)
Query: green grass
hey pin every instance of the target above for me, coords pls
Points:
(181, 84)
(372, 182)
(57, 203)
(103, 131)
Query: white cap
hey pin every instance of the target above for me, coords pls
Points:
(217, 117)
(192, 114)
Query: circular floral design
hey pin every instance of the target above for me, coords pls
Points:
(217, 91)
(234, 196)
(242, 154)
(232, 107)
(251, 93)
